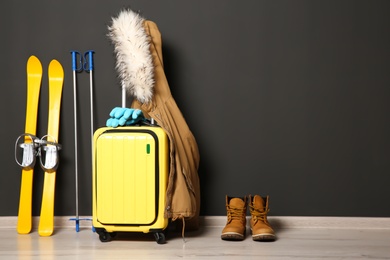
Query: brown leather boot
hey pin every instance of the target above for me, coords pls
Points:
(236, 219)
(261, 229)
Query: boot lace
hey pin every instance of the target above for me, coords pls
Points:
(234, 213)
(259, 215)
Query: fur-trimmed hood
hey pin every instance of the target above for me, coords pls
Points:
(133, 58)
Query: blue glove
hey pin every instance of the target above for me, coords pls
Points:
(121, 116)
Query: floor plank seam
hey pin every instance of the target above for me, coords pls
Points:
(219, 221)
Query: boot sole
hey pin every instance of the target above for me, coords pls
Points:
(264, 237)
(232, 236)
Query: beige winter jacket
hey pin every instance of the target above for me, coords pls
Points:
(140, 65)
(183, 192)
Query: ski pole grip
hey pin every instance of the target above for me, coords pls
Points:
(88, 60)
(74, 61)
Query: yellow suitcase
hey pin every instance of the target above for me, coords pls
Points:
(130, 173)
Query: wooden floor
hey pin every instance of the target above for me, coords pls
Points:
(292, 243)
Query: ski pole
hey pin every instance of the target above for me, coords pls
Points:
(88, 66)
(76, 69)
(86, 63)
(89, 69)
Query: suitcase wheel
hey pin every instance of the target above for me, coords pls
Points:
(105, 236)
(160, 237)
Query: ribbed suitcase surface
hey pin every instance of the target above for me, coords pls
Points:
(130, 175)
(126, 178)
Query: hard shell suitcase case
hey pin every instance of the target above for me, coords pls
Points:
(130, 172)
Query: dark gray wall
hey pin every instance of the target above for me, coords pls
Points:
(286, 98)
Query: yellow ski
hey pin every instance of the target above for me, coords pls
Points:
(56, 78)
(34, 78)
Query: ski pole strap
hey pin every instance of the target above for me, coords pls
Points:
(76, 54)
(88, 60)
(49, 151)
(29, 150)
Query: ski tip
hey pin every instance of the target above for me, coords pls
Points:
(33, 58)
(34, 65)
(55, 69)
